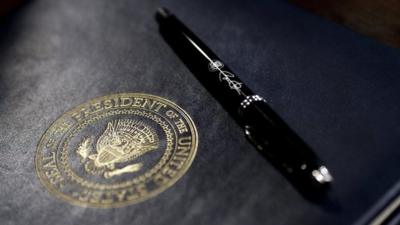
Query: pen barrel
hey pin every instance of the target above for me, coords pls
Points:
(279, 143)
(219, 80)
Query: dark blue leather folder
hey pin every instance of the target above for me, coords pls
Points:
(339, 90)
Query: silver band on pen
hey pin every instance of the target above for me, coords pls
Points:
(250, 99)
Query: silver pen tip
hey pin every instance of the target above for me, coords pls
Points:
(322, 175)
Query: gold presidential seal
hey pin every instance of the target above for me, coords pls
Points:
(116, 150)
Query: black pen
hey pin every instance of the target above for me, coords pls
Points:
(262, 126)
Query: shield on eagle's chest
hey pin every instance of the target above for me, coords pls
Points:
(124, 140)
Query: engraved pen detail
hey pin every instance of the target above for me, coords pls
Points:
(250, 99)
(226, 76)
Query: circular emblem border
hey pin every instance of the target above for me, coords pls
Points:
(62, 196)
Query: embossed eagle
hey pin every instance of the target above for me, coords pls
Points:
(122, 140)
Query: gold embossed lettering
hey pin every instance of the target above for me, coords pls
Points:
(184, 144)
(177, 161)
(180, 124)
(159, 106)
(171, 114)
(108, 104)
(125, 102)
(169, 172)
(51, 170)
(138, 102)
(51, 143)
(96, 107)
(121, 195)
(160, 179)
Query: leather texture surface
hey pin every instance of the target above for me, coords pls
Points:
(340, 92)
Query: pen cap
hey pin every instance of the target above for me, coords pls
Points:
(162, 14)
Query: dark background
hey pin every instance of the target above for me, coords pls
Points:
(377, 19)
(339, 90)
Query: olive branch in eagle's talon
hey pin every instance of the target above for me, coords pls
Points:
(84, 149)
